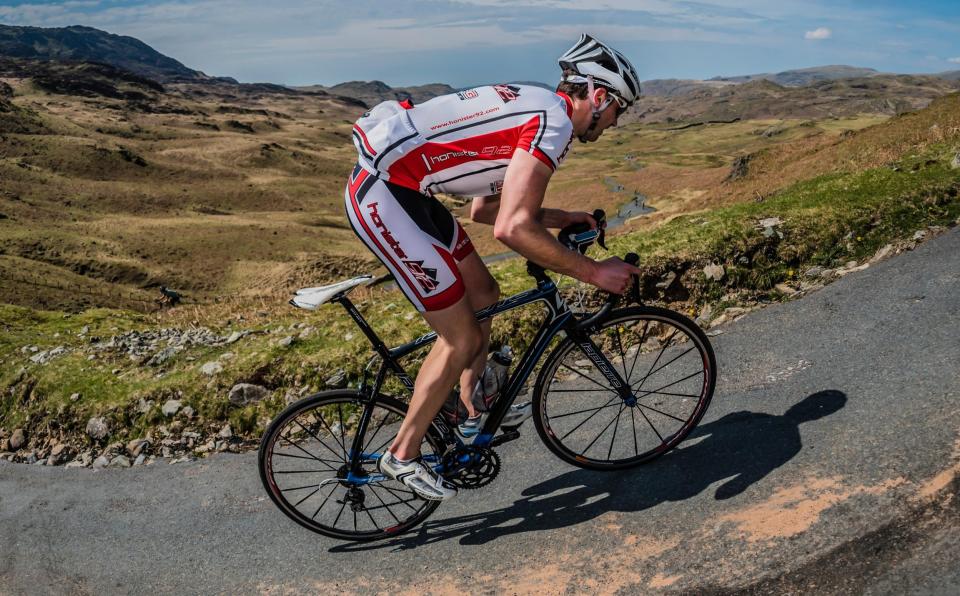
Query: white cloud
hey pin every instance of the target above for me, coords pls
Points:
(954, 60)
(818, 33)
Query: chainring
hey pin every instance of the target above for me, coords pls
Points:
(470, 467)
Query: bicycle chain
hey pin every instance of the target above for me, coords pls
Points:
(480, 468)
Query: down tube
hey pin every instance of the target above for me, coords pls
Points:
(540, 342)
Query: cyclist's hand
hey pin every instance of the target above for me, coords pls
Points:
(613, 275)
(575, 217)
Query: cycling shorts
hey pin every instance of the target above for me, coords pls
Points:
(413, 234)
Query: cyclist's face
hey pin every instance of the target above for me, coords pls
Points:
(608, 117)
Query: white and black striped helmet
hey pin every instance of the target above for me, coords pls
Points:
(608, 67)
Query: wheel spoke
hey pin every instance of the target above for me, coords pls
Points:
(658, 389)
(315, 491)
(617, 417)
(666, 364)
(314, 485)
(662, 413)
(319, 440)
(633, 422)
(643, 336)
(332, 490)
(609, 404)
(312, 456)
(589, 417)
(614, 437)
(623, 356)
(379, 498)
(666, 344)
(659, 436)
(329, 461)
(370, 439)
(594, 381)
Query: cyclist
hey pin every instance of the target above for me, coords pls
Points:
(499, 144)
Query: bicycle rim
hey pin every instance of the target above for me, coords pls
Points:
(671, 368)
(304, 462)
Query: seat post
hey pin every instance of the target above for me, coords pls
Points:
(374, 339)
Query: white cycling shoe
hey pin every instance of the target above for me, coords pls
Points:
(517, 414)
(420, 478)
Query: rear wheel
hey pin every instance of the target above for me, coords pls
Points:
(670, 366)
(305, 459)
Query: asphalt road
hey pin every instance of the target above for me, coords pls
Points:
(826, 463)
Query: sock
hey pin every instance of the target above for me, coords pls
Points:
(402, 462)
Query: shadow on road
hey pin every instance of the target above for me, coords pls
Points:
(739, 449)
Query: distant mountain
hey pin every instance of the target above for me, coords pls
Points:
(805, 76)
(763, 98)
(373, 92)
(86, 44)
(950, 75)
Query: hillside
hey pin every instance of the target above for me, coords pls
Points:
(373, 92)
(111, 185)
(762, 98)
(86, 44)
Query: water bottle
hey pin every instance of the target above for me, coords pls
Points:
(454, 412)
(493, 379)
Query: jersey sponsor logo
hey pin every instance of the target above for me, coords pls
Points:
(468, 94)
(465, 118)
(497, 150)
(507, 93)
(450, 155)
(426, 277)
(387, 236)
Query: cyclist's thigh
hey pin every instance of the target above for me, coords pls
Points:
(482, 289)
(417, 239)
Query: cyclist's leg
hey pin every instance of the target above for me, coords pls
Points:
(482, 291)
(421, 243)
(459, 341)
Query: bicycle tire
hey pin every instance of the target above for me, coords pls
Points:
(661, 328)
(345, 402)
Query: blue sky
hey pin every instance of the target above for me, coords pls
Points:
(466, 42)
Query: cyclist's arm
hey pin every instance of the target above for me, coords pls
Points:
(485, 209)
(519, 224)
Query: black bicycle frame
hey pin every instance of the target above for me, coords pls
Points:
(558, 318)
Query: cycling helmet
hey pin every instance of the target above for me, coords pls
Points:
(596, 62)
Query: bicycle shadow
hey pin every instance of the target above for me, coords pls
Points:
(739, 449)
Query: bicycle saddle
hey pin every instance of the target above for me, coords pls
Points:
(311, 298)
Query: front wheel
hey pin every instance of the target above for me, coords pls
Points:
(670, 366)
(305, 465)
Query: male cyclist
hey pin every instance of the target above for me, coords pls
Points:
(499, 144)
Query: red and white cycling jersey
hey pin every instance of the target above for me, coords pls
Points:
(461, 143)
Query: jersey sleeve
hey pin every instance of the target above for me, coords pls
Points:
(547, 135)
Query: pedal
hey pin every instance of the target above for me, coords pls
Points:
(508, 434)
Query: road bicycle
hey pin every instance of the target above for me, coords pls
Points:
(620, 387)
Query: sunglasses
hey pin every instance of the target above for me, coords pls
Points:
(622, 104)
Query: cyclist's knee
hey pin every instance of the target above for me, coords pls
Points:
(467, 344)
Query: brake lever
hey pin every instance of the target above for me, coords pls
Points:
(601, 218)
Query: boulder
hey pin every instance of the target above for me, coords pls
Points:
(242, 394)
(171, 407)
(714, 272)
(120, 461)
(211, 368)
(18, 439)
(136, 446)
(955, 164)
(98, 428)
